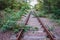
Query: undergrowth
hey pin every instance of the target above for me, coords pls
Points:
(10, 18)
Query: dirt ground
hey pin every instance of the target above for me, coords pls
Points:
(47, 22)
(53, 25)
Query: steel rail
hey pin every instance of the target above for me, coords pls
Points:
(19, 36)
(39, 20)
(48, 33)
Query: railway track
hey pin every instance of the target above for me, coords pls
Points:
(28, 35)
(22, 31)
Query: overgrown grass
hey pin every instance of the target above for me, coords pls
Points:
(56, 20)
(12, 11)
(41, 14)
(48, 15)
(10, 18)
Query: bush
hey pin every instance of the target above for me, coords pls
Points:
(56, 14)
(10, 19)
(12, 12)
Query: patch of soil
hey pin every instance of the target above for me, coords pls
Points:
(6, 35)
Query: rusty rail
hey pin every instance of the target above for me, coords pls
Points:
(48, 33)
(19, 36)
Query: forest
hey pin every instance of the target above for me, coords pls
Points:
(12, 11)
(50, 7)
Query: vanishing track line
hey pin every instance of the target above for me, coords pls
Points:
(40, 22)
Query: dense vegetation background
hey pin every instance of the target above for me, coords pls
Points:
(49, 7)
(10, 12)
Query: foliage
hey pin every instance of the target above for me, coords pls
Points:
(6, 3)
(13, 4)
(50, 28)
(50, 7)
(53, 7)
(39, 6)
(42, 14)
(11, 14)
